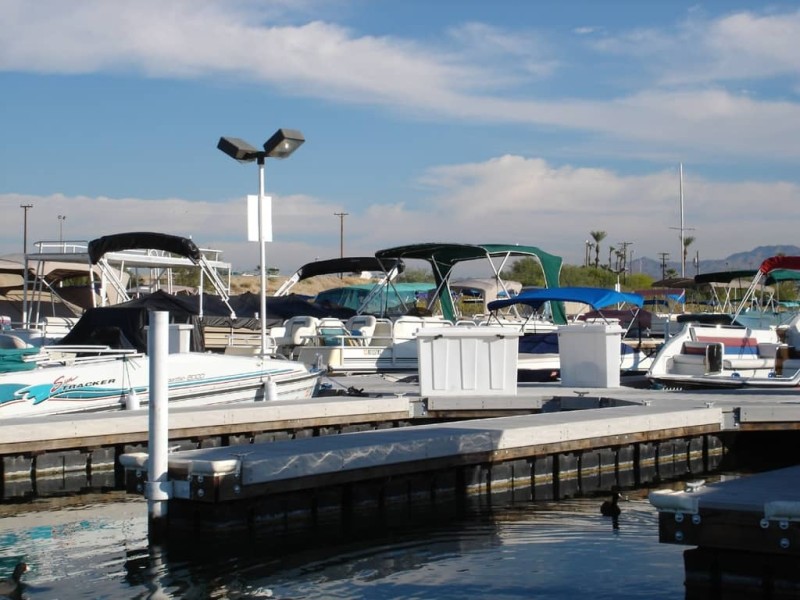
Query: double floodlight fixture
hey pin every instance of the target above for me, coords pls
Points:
(282, 143)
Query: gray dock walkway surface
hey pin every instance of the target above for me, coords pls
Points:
(570, 419)
(497, 438)
(387, 399)
(758, 513)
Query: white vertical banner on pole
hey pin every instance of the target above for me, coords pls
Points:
(252, 218)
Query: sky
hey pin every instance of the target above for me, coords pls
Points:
(466, 121)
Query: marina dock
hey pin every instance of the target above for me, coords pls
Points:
(745, 533)
(384, 452)
(73, 453)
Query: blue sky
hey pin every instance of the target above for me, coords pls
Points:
(462, 121)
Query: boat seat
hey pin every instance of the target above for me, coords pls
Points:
(382, 336)
(332, 332)
(698, 358)
(298, 331)
(741, 354)
(242, 350)
(12, 342)
(362, 326)
(735, 364)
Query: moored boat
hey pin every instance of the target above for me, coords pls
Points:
(369, 343)
(101, 364)
(540, 356)
(74, 379)
(735, 355)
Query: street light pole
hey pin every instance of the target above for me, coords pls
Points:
(282, 144)
(25, 208)
(262, 253)
(61, 219)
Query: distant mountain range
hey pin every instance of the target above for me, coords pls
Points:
(734, 262)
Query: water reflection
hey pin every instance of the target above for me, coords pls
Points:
(555, 550)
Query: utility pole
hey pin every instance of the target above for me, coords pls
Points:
(664, 256)
(624, 252)
(25, 208)
(341, 216)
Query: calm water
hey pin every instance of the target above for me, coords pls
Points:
(96, 548)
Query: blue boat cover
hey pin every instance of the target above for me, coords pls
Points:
(597, 298)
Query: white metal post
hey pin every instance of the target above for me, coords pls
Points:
(158, 486)
(262, 257)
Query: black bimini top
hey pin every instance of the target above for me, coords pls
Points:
(142, 240)
(348, 264)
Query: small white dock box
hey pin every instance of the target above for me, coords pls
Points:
(468, 361)
(590, 354)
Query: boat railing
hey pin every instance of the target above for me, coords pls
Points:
(384, 332)
(77, 354)
(61, 247)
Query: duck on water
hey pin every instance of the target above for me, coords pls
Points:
(610, 508)
(11, 587)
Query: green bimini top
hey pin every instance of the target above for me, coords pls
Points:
(444, 256)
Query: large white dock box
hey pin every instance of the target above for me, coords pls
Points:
(468, 361)
(590, 354)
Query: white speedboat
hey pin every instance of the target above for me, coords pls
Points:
(82, 374)
(716, 355)
(74, 379)
(720, 356)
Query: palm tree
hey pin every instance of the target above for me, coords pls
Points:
(597, 236)
(687, 241)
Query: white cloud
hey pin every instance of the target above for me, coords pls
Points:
(509, 199)
(459, 78)
(524, 53)
(738, 46)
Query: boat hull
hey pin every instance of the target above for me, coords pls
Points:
(725, 357)
(112, 383)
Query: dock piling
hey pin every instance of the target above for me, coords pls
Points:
(158, 490)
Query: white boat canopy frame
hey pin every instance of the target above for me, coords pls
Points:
(112, 254)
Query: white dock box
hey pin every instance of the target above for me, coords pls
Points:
(468, 361)
(590, 354)
(180, 337)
